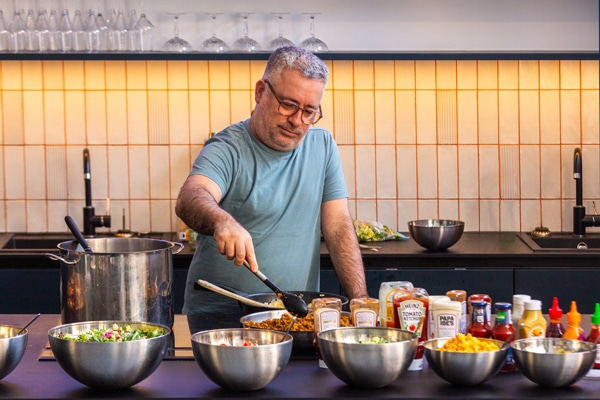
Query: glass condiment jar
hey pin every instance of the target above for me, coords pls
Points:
(326, 312)
(484, 297)
(503, 330)
(386, 301)
(461, 297)
(364, 311)
(480, 324)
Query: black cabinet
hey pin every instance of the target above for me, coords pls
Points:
(578, 284)
(29, 291)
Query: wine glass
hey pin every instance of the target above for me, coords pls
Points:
(280, 41)
(176, 44)
(313, 43)
(245, 43)
(213, 44)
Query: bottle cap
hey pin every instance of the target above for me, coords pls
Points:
(533, 305)
(596, 315)
(502, 306)
(521, 298)
(573, 316)
(555, 312)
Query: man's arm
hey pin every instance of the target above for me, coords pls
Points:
(342, 243)
(198, 206)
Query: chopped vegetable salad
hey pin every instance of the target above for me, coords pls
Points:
(114, 334)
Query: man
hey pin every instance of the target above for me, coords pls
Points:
(263, 190)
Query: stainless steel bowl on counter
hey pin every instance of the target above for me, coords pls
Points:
(553, 362)
(464, 369)
(109, 365)
(242, 359)
(368, 357)
(436, 234)
(12, 348)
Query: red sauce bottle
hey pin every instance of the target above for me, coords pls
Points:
(480, 325)
(555, 327)
(410, 313)
(594, 333)
(504, 329)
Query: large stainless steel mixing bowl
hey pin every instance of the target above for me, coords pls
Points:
(12, 348)
(436, 234)
(226, 358)
(553, 362)
(365, 364)
(109, 365)
(466, 369)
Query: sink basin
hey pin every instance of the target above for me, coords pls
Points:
(48, 242)
(562, 241)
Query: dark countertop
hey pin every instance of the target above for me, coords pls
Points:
(33, 378)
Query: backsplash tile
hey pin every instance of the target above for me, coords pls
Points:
(488, 142)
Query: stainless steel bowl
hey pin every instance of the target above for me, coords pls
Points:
(108, 365)
(367, 365)
(436, 234)
(222, 356)
(553, 362)
(12, 348)
(466, 369)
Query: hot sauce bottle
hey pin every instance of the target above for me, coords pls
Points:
(480, 325)
(555, 328)
(594, 334)
(502, 330)
(410, 314)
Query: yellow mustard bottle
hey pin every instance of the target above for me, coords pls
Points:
(532, 324)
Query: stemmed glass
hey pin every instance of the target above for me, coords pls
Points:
(246, 43)
(176, 44)
(213, 44)
(313, 43)
(280, 41)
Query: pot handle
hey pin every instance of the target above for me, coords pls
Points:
(56, 257)
(179, 249)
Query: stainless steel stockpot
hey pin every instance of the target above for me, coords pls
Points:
(126, 279)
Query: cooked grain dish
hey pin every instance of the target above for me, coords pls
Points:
(306, 324)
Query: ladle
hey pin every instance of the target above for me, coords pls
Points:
(78, 235)
(293, 303)
(29, 323)
(207, 285)
(290, 327)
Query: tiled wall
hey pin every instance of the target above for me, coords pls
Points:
(487, 142)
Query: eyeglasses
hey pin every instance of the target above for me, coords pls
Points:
(289, 108)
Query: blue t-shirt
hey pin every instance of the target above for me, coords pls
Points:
(276, 196)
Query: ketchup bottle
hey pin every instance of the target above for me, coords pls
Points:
(480, 325)
(503, 329)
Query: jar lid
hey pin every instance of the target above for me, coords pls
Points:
(533, 305)
(521, 298)
(503, 306)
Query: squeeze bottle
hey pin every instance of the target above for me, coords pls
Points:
(555, 328)
(574, 330)
(594, 333)
(532, 324)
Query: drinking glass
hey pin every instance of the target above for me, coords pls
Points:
(313, 43)
(31, 43)
(142, 34)
(92, 31)
(54, 32)
(79, 34)
(279, 41)
(117, 32)
(245, 43)
(42, 31)
(214, 44)
(18, 34)
(176, 44)
(4, 34)
(65, 32)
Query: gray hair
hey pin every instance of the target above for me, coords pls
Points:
(297, 59)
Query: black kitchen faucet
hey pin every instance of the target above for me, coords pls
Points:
(90, 220)
(580, 220)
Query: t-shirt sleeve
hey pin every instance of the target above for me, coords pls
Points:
(216, 161)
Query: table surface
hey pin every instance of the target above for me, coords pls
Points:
(35, 378)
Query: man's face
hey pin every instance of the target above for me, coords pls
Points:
(269, 126)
